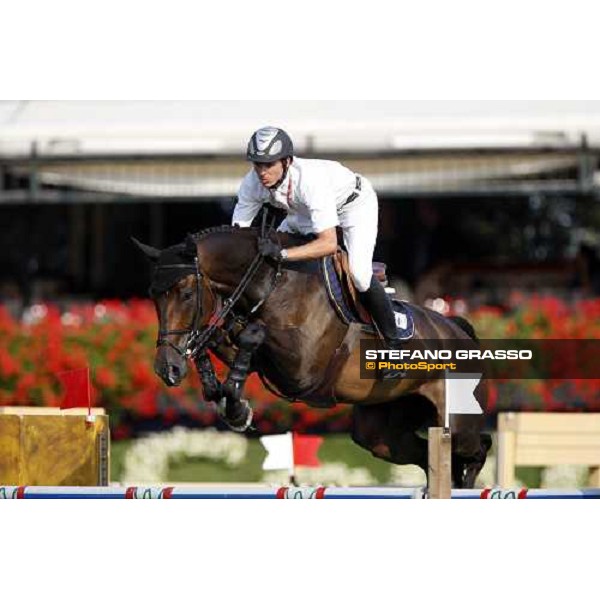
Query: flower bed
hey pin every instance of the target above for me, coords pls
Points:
(542, 318)
(148, 459)
(116, 339)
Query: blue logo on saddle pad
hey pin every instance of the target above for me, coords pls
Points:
(405, 323)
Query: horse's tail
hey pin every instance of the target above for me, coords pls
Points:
(466, 327)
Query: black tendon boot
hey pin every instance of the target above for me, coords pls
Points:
(382, 312)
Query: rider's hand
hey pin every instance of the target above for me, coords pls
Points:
(269, 249)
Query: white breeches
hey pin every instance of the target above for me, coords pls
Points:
(358, 221)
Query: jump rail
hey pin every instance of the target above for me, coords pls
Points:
(282, 493)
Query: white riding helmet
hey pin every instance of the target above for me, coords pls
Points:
(269, 144)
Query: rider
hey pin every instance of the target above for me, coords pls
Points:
(318, 195)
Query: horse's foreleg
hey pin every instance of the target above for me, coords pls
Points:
(235, 411)
(210, 384)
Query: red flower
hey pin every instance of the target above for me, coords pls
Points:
(142, 374)
(8, 365)
(105, 378)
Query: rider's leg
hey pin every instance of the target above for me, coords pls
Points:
(381, 310)
(359, 225)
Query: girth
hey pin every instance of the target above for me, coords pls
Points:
(322, 394)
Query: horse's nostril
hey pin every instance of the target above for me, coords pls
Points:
(174, 371)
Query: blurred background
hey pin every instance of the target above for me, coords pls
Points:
(487, 209)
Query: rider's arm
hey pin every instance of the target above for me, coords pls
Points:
(320, 201)
(325, 244)
(248, 204)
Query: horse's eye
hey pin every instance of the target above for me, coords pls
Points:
(187, 295)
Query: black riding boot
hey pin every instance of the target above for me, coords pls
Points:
(382, 312)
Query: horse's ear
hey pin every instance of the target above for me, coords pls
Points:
(190, 249)
(149, 251)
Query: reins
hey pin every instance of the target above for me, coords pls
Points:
(198, 339)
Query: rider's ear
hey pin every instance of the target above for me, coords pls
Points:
(190, 249)
(149, 251)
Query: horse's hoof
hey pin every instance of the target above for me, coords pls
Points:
(242, 420)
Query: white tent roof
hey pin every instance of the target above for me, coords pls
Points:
(148, 127)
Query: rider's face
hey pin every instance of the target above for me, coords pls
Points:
(269, 173)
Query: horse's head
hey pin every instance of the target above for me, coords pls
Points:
(183, 301)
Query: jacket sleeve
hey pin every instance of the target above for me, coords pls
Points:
(248, 204)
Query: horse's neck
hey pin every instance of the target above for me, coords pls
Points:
(226, 256)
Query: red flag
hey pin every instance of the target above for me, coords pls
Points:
(76, 385)
(305, 450)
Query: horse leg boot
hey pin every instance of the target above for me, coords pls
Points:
(382, 312)
(210, 384)
(234, 410)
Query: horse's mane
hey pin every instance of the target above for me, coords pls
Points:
(203, 233)
(291, 239)
(176, 261)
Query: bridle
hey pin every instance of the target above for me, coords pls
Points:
(198, 337)
(193, 331)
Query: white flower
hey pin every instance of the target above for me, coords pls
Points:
(407, 476)
(147, 460)
(565, 476)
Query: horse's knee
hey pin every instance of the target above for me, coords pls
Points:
(361, 437)
(370, 440)
(378, 449)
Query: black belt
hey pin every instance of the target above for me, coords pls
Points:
(354, 195)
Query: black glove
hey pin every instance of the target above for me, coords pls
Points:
(269, 249)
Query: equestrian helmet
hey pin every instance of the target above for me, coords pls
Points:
(269, 144)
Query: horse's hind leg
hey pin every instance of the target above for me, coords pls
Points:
(388, 431)
(474, 465)
(466, 468)
(469, 445)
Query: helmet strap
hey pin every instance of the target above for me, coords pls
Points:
(286, 165)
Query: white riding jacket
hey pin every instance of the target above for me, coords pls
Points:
(313, 193)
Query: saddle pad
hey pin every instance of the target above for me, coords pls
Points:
(335, 290)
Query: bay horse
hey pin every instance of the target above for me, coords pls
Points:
(215, 291)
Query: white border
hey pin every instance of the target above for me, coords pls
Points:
(263, 549)
(308, 50)
(276, 50)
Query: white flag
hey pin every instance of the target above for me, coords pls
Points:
(459, 394)
(280, 451)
